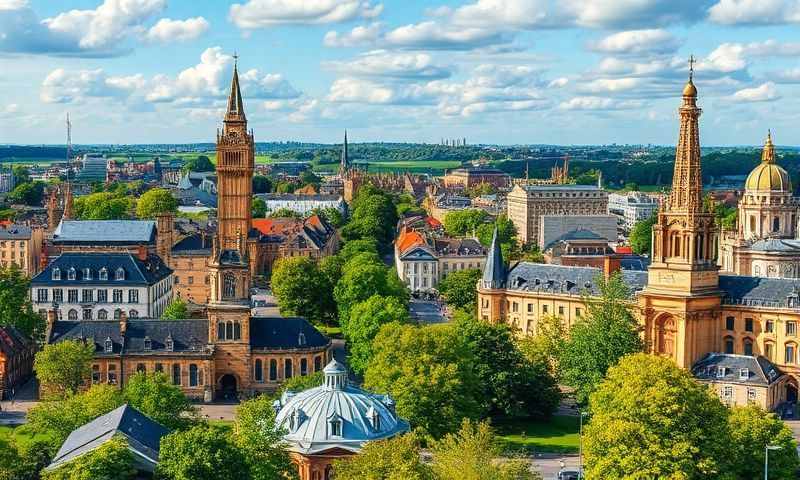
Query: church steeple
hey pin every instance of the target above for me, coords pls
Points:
(687, 180)
(235, 112)
(344, 163)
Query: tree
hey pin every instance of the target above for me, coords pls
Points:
(598, 340)
(21, 174)
(203, 451)
(472, 453)
(374, 216)
(511, 384)
(298, 284)
(395, 459)
(154, 202)
(464, 222)
(261, 440)
(366, 319)
(333, 216)
(641, 236)
(354, 247)
(458, 289)
(632, 187)
(751, 429)
(429, 372)
(261, 184)
(9, 459)
(110, 461)
(365, 275)
(155, 396)
(283, 213)
(651, 419)
(104, 206)
(62, 367)
(201, 163)
(506, 231)
(15, 303)
(176, 310)
(29, 193)
(546, 345)
(302, 382)
(23, 460)
(258, 208)
(308, 177)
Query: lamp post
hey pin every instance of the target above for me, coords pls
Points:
(766, 458)
(580, 444)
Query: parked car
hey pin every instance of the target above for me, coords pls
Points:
(569, 474)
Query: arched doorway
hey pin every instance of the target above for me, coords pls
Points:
(791, 392)
(227, 388)
(665, 336)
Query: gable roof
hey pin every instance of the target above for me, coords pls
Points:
(278, 333)
(143, 436)
(137, 271)
(105, 232)
(189, 337)
(760, 371)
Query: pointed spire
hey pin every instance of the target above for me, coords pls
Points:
(494, 274)
(345, 160)
(687, 183)
(235, 110)
(768, 153)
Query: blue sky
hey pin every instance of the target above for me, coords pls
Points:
(493, 71)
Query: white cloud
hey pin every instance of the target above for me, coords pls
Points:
(401, 65)
(755, 12)
(559, 82)
(765, 92)
(13, 4)
(62, 86)
(637, 42)
(436, 36)
(598, 103)
(168, 30)
(610, 85)
(359, 36)
(270, 85)
(354, 90)
(267, 13)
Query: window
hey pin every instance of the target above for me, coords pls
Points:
(751, 394)
(776, 224)
(133, 296)
(748, 346)
(41, 295)
(515, 307)
(117, 295)
(237, 330)
(336, 427)
(721, 372)
(176, 374)
(577, 311)
(190, 280)
(72, 314)
(229, 330)
(117, 313)
(87, 274)
(727, 392)
(87, 295)
(119, 274)
(303, 367)
(96, 377)
(530, 308)
(730, 323)
(109, 345)
(192, 375)
(273, 370)
(58, 295)
(87, 313)
(148, 344)
(287, 368)
(561, 310)
(102, 296)
(133, 314)
(258, 372)
(728, 345)
(56, 273)
(317, 363)
(769, 350)
(72, 295)
(791, 328)
(112, 374)
(544, 308)
(140, 368)
(769, 326)
(169, 345)
(789, 353)
(71, 274)
(103, 274)
(748, 324)
(221, 330)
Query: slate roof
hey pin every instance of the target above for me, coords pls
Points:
(760, 292)
(105, 232)
(15, 232)
(268, 197)
(494, 272)
(577, 234)
(776, 245)
(188, 336)
(759, 370)
(278, 333)
(458, 246)
(196, 244)
(137, 272)
(143, 436)
(12, 341)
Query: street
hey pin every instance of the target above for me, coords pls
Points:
(426, 311)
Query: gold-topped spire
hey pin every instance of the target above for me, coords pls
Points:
(690, 90)
(768, 153)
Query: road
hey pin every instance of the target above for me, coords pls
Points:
(425, 311)
(549, 464)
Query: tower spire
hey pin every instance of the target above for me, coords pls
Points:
(235, 112)
(344, 164)
(768, 153)
(687, 181)
(494, 273)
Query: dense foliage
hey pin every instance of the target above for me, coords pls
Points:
(641, 236)
(374, 216)
(15, 303)
(62, 367)
(459, 289)
(110, 461)
(366, 319)
(302, 289)
(154, 202)
(104, 206)
(261, 441)
(203, 451)
(176, 310)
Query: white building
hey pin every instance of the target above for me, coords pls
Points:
(6, 181)
(100, 286)
(301, 204)
(632, 207)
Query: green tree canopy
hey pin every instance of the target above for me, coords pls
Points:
(258, 208)
(62, 367)
(104, 206)
(261, 184)
(511, 384)
(155, 396)
(429, 372)
(203, 451)
(459, 289)
(110, 461)
(374, 216)
(751, 430)
(261, 441)
(332, 215)
(641, 236)
(361, 245)
(15, 304)
(606, 333)
(459, 223)
(652, 419)
(300, 288)
(201, 163)
(365, 275)
(283, 213)
(366, 319)
(547, 344)
(176, 310)
(154, 202)
(21, 174)
(29, 193)
(298, 383)
(395, 459)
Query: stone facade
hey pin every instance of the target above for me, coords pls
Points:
(21, 245)
(16, 360)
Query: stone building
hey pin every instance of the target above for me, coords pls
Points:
(741, 379)
(21, 245)
(468, 177)
(632, 207)
(527, 203)
(302, 204)
(765, 242)
(686, 308)
(16, 360)
(334, 421)
(313, 237)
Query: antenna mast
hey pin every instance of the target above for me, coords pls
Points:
(69, 139)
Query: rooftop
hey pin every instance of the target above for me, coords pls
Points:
(15, 232)
(69, 269)
(105, 232)
(730, 368)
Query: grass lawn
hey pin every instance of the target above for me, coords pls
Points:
(557, 435)
(19, 435)
(335, 332)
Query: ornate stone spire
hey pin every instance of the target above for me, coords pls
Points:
(768, 153)
(687, 181)
(235, 112)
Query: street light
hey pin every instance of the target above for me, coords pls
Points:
(580, 444)
(766, 458)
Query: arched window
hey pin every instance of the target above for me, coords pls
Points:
(273, 370)
(335, 426)
(192, 375)
(287, 368)
(258, 372)
(148, 344)
(71, 273)
(757, 270)
(790, 353)
(752, 224)
(176, 374)
(72, 314)
(108, 347)
(221, 330)
(102, 314)
(769, 350)
(665, 336)
(747, 346)
(103, 273)
(140, 368)
(56, 273)
(728, 344)
(317, 363)
(303, 367)
(229, 286)
(776, 224)
(237, 330)
(87, 273)
(119, 274)
(169, 344)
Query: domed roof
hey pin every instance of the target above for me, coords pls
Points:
(690, 90)
(768, 176)
(336, 415)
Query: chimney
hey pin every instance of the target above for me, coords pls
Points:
(51, 323)
(43, 259)
(611, 265)
(141, 253)
(123, 322)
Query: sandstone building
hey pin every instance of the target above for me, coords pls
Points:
(21, 246)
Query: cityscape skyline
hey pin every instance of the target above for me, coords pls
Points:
(514, 72)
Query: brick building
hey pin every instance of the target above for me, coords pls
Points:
(16, 359)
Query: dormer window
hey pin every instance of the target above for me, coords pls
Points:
(720, 372)
(148, 344)
(169, 344)
(374, 418)
(301, 339)
(296, 419)
(335, 427)
(119, 274)
(71, 273)
(87, 274)
(103, 275)
(109, 345)
(56, 273)
(744, 374)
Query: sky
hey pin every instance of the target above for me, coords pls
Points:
(492, 71)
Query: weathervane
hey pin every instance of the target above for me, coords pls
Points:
(235, 58)
(692, 61)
